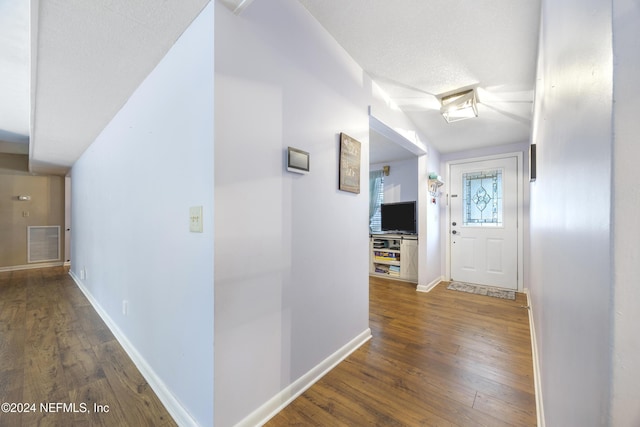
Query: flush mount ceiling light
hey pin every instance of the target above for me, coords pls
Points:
(459, 106)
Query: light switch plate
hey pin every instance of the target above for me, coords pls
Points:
(195, 219)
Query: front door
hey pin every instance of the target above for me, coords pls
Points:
(484, 222)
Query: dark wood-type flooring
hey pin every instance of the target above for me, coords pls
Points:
(55, 350)
(444, 358)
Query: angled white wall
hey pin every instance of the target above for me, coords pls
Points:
(291, 250)
(131, 194)
(571, 268)
(625, 392)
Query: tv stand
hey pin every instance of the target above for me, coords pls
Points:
(394, 256)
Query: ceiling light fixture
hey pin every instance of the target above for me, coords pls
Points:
(459, 106)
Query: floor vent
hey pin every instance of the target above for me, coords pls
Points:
(43, 243)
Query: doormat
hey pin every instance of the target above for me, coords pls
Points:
(482, 290)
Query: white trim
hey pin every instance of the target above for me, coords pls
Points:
(31, 266)
(177, 411)
(396, 278)
(536, 364)
(520, 184)
(278, 402)
(430, 286)
(416, 147)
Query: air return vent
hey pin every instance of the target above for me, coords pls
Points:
(43, 243)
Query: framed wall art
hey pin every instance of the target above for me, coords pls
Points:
(349, 169)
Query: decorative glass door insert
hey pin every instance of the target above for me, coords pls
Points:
(482, 198)
(483, 244)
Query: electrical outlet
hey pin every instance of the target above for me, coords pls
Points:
(82, 273)
(195, 219)
(125, 307)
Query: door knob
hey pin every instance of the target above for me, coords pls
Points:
(454, 223)
(454, 232)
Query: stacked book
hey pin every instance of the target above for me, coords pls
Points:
(384, 269)
(394, 270)
(386, 256)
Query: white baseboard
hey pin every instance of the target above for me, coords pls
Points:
(177, 411)
(278, 402)
(536, 364)
(31, 266)
(430, 286)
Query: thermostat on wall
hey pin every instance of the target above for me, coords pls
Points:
(297, 160)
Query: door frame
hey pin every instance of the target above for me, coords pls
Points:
(520, 215)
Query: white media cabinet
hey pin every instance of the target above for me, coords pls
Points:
(394, 256)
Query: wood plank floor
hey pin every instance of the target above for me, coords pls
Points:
(55, 350)
(444, 358)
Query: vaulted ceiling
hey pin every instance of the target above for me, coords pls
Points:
(67, 74)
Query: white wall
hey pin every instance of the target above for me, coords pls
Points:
(570, 275)
(522, 147)
(433, 270)
(625, 393)
(291, 250)
(132, 190)
(401, 185)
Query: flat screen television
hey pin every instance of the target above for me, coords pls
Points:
(398, 217)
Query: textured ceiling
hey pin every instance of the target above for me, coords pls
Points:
(91, 56)
(416, 50)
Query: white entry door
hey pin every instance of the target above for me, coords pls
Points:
(484, 222)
